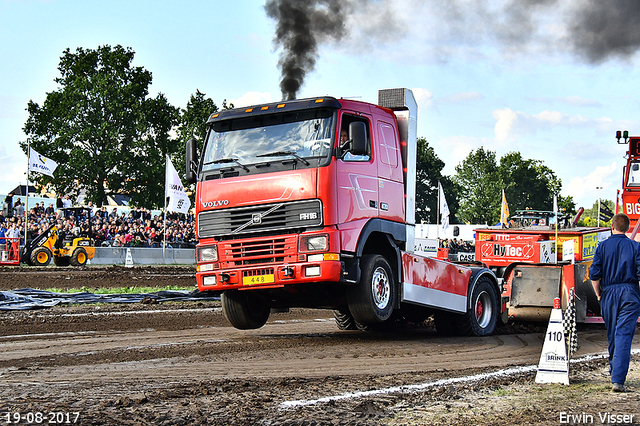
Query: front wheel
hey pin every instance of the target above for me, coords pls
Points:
(371, 299)
(482, 316)
(245, 310)
(41, 256)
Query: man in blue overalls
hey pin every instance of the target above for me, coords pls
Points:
(615, 273)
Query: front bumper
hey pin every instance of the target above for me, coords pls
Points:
(269, 276)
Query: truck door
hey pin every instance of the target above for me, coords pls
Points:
(357, 179)
(390, 186)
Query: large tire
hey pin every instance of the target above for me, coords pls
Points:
(482, 317)
(61, 260)
(79, 257)
(371, 300)
(344, 319)
(40, 256)
(245, 310)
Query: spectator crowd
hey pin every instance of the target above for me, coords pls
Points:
(137, 227)
(458, 245)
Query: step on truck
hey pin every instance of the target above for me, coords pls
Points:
(311, 203)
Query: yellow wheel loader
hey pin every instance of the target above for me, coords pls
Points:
(65, 250)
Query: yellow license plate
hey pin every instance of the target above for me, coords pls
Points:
(259, 279)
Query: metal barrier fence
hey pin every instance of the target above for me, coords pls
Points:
(144, 256)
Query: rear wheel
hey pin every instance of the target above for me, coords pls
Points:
(245, 310)
(79, 257)
(371, 300)
(482, 317)
(41, 256)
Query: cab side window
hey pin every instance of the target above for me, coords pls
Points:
(344, 137)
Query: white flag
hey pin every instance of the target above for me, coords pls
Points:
(40, 163)
(444, 209)
(177, 199)
(555, 211)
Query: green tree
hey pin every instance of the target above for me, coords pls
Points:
(528, 183)
(567, 205)
(145, 169)
(193, 124)
(479, 188)
(428, 173)
(93, 122)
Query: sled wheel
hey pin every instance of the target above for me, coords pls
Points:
(41, 256)
(79, 257)
(245, 310)
(344, 319)
(371, 300)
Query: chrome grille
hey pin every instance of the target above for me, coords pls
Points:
(263, 251)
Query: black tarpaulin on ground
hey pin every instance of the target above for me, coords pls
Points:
(29, 298)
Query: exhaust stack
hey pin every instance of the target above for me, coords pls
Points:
(404, 104)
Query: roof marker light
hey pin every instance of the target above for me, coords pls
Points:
(319, 101)
(248, 110)
(264, 108)
(280, 106)
(215, 115)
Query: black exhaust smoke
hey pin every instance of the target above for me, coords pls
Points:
(604, 29)
(593, 30)
(301, 26)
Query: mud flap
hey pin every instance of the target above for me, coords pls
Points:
(533, 289)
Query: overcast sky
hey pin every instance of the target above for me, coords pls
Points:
(552, 79)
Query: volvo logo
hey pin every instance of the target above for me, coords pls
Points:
(256, 218)
(215, 203)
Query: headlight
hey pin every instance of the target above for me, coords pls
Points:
(314, 243)
(208, 254)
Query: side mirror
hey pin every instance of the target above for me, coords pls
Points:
(358, 137)
(191, 160)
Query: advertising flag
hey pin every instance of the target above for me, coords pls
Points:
(40, 163)
(555, 211)
(177, 198)
(504, 210)
(444, 208)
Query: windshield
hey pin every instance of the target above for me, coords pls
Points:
(634, 174)
(297, 136)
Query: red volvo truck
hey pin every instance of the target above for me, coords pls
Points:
(310, 203)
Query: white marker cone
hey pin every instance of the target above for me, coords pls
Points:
(554, 363)
(128, 261)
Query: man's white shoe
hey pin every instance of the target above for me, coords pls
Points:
(617, 387)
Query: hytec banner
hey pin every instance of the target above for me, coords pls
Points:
(177, 198)
(40, 163)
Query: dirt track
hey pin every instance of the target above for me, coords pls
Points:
(180, 363)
